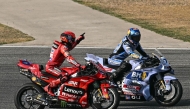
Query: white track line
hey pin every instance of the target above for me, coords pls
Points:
(89, 47)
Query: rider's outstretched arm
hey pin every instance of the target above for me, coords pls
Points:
(81, 37)
(69, 57)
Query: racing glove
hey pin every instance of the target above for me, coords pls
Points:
(80, 38)
(136, 56)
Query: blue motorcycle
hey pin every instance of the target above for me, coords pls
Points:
(147, 80)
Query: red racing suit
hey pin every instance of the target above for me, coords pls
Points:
(60, 52)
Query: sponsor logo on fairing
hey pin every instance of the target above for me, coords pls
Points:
(63, 104)
(139, 75)
(74, 83)
(69, 95)
(136, 75)
(72, 90)
(135, 97)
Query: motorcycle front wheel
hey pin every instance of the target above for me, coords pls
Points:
(172, 97)
(112, 103)
(23, 95)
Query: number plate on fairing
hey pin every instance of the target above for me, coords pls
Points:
(135, 97)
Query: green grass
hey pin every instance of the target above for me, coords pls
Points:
(10, 35)
(160, 23)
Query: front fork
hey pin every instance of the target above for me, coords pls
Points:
(163, 87)
(164, 84)
(104, 90)
(160, 85)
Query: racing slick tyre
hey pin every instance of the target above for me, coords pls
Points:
(111, 103)
(24, 94)
(172, 96)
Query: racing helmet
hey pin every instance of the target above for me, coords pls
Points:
(68, 37)
(134, 35)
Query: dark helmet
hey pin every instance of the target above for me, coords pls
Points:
(68, 37)
(134, 35)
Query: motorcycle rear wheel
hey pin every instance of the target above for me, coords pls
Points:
(173, 97)
(21, 96)
(112, 103)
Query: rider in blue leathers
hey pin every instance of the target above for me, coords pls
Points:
(126, 48)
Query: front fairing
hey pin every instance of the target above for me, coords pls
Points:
(136, 64)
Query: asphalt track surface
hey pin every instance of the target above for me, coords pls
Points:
(11, 80)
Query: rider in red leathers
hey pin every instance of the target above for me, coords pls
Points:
(60, 52)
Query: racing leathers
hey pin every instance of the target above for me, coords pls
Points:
(124, 49)
(59, 52)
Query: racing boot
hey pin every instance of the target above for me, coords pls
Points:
(119, 73)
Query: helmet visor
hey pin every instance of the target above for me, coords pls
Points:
(70, 38)
(136, 38)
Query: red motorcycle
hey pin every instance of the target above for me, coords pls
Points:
(88, 87)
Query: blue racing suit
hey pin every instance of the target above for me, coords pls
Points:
(124, 49)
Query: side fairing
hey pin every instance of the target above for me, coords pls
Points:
(136, 78)
(135, 63)
(79, 83)
(75, 90)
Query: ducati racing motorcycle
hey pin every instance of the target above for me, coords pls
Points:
(88, 87)
(147, 80)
